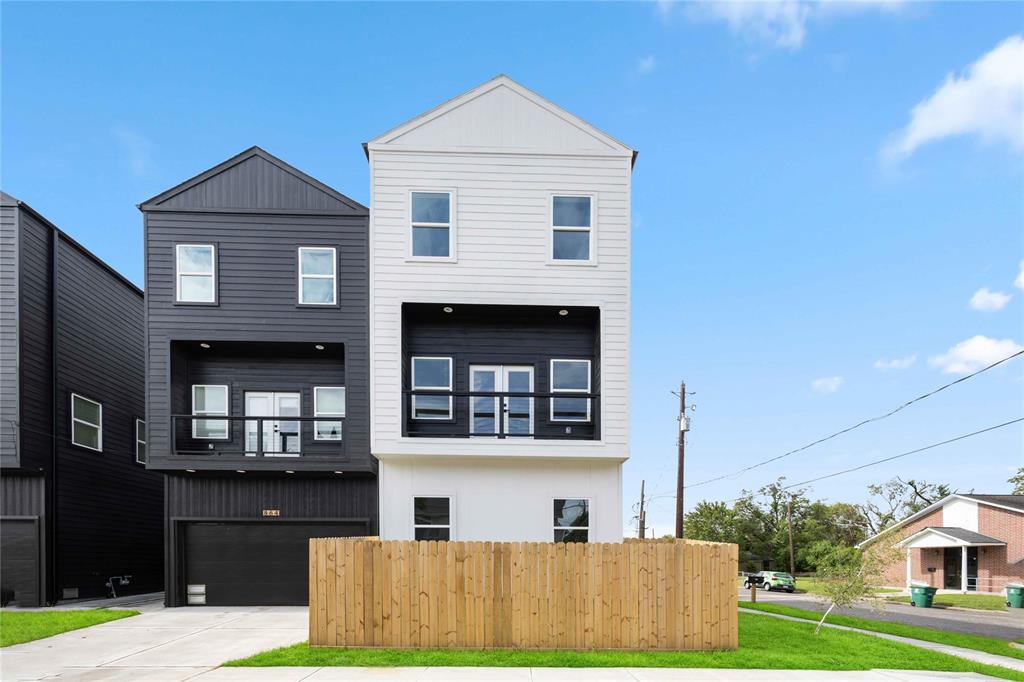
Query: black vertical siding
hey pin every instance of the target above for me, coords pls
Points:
(8, 334)
(109, 507)
(22, 495)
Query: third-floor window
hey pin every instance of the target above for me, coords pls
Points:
(318, 275)
(572, 229)
(431, 224)
(195, 268)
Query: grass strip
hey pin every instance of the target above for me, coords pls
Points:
(17, 627)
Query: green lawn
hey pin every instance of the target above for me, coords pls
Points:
(810, 585)
(764, 643)
(987, 602)
(24, 626)
(986, 644)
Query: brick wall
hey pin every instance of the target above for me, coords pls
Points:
(1000, 565)
(896, 573)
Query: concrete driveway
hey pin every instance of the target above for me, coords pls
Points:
(1008, 625)
(159, 644)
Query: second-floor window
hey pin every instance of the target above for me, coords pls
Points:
(570, 376)
(86, 423)
(431, 224)
(195, 273)
(432, 374)
(140, 441)
(209, 401)
(328, 401)
(572, 229)
(318, 275)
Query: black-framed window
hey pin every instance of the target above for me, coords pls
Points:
(432, 519)
(572, 520)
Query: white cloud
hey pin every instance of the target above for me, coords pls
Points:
(987, 100)
(1019, 282)
(826, 385)
(781, 23)
(664, 8)
(974, 353)
(646, 64)
(896, 363)
(989, 301)
(137, 150)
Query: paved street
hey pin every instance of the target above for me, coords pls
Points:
(1007, 625)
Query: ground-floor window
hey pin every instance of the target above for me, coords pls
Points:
(572, 520)
(432, 518)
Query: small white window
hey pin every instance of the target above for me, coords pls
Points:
(570, 376)
(572, 520)
(86, 423)
(431, 224)
(572, 228)
(209, 400)
(432, 374)
(140, 441)
(318, 275)
(195, 273)
(328, 401)
(432, 518)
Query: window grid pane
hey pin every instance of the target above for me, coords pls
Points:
(195, 268)
(209, 400)
(571, 520)
(328, 401)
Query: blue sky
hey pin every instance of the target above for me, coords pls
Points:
(819, 188)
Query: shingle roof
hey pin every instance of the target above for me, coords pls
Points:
(1015, 501)
(964, 534)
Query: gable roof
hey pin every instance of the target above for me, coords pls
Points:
(1010, 502)
(254, 180)
(508, 112)
(960, 535)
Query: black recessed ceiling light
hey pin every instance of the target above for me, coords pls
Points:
(204, 345)
(448, 309)
(563, 312)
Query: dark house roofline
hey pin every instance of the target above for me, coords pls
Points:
(155, 201)
(7, 200)
(962, 534)
(1015, 501)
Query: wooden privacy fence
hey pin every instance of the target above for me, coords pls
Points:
(637, 595)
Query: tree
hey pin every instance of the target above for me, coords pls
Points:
(712, 521)
(1017, 481)
(896, 499)
(847, 575)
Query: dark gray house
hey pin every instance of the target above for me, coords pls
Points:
(79, 513)
(257, 379)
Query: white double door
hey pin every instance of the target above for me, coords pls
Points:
(516, 413)
(281, 437)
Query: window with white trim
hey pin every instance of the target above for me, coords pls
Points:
(195, 273)
(328, 401)
(86, 423)
(318, 275)
(572, 228)
(208, 400)
(431, 215)
(432, 519)
(140, 441)
(572, 520)
(570, 376)
(432, 374)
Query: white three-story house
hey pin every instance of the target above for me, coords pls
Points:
(499, 321)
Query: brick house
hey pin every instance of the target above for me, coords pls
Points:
(967, 543)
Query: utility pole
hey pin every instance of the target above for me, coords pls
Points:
(683, 427)
(643, 512)
(789, 522)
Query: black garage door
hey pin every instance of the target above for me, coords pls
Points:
(254, 564)
(19, 560)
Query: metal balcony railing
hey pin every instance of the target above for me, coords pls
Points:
(275, 436)
(502, 414)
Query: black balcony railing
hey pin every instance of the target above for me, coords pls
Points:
(251, 436)
(497, 414)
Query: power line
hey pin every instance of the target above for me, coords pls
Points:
(857, 425)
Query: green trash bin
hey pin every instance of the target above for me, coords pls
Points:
(922, 595)
(1015, 596)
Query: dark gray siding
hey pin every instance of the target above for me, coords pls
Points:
(36, 342)
(257, 292)
(501, 335)
(22, 495)
(22, 508)
(109, 507)
(8, 335)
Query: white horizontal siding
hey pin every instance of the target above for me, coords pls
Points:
(501, 213)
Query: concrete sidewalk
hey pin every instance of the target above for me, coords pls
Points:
(970, 654)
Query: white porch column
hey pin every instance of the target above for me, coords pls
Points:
(910, 571)
(963, 569)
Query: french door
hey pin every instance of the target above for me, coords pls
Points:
(515, 413)
(281, 437)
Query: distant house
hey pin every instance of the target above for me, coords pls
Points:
(79, 513)
(969, 543)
